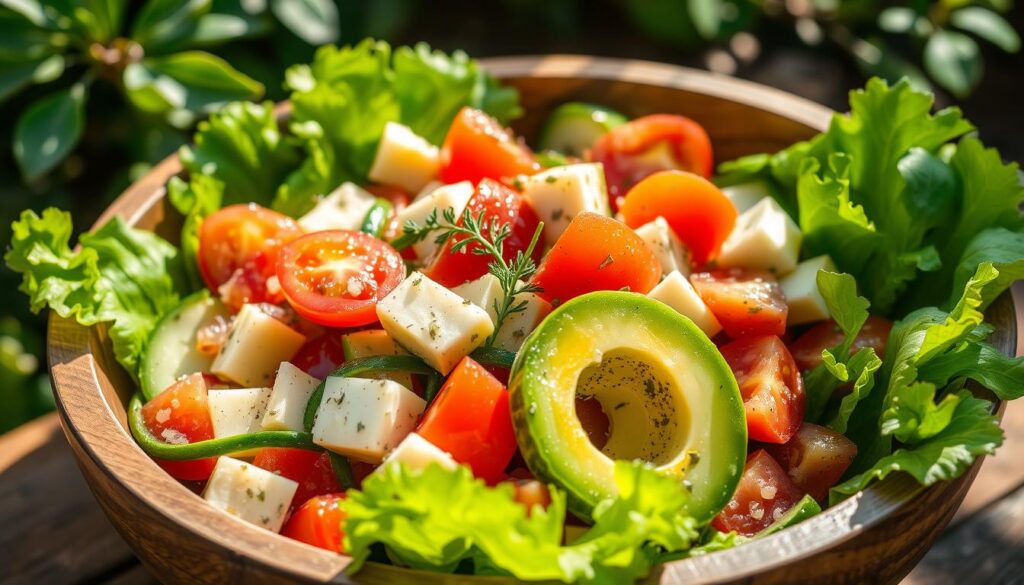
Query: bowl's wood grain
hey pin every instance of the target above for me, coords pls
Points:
(876, 536)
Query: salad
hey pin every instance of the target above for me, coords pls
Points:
(393, 330)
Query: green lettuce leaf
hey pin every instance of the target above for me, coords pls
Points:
(201, 196)
(120, 275)
(980, 362)
(1004, 249)
(437, 519)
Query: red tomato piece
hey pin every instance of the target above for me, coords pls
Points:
(696, 210)
(746, 302)
(311, 469)
(336, 277)
(815, 458)
(318, 522)
(531, 493)
(826, 335)
(771, 386)
(471, 420)
(181, 414)
(478, 147)
(320, 355)
(238, 248)
(499, 205)
(764, 495)
(596, 253)
(646, 145)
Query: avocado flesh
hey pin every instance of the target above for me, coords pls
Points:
(670, 398)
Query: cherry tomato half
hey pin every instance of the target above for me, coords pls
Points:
(596, 253)
(499, 205)
(696, 210)
(746, 302)
(336, 277)
(238, 247)
(310, 469)
(764, 495)
(771, 386)
(478, 147)
(318, 522)
(815, 458)
(646, 145)
(181, 414)
(826, 335)
(320, 355)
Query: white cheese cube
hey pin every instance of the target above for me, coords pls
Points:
(344, 209)
(432, 322)
(677, 292)
(404, 159)
(256, 344)
(375, 342)
(417, 453)
(746, 195)
(764, 237)
(287, 404)
(561, 193)
(428, 189)
(237, 411)
(364, 419)
(255, 495)
(518, 325)
(800, 288)
(455, 197)
(483, 292)
(671, 252)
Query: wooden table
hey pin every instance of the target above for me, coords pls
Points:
(52, 531)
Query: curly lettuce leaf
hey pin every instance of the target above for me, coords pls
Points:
(1002, 248)
(120, 275)
(196, 199)
(438, 519)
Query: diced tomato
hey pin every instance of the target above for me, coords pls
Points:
(746, 302)
(696, 210)
(530, 493)
(181, 414)
(320, 355)
(477, 147)
(238, 248)
(596, 253)
(815, 458)
(336, 277)
(593, 420)
(499, 205)
(764, 495)
(646, 145)
(318, 522)
(311, 469)
(771, 386)
(470, 419)
(826, 335)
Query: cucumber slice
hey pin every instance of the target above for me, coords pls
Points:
(376, 220)
(171, 350)
(575, 126)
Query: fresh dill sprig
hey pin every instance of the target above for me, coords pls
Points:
(490, 236)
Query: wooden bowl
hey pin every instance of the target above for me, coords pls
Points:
(876, 536)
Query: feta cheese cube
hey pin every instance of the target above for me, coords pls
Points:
(518, 325)
(287, 404)
(237, 411)
(764, 237)
(256, 344)
(432, 322)
(561, 193)
(364, 419)
(483, 292)
(455, 197)
(375, 342)
(671, 252)
(800, 288)
(417, 453)
(345, 208)
(404, 159)
(255, 495)
(677, 292)
(746, 195)
(428, 189)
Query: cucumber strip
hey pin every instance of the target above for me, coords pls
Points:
(342, 470)
(575, 126)
(171, 350)
(154, 447)
(494, 356)
(433, 386)
(802, 510)
(376, 220)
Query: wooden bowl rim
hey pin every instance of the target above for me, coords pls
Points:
(111, 448)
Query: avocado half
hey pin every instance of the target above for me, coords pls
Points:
(670, 397)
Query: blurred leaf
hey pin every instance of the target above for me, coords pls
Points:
(987, 25)
(220, 27)
(313, 21)
(20, 40)
(32, 10)
(15, 76)
(100, 19)
(193, 81)
(48, 130)
(875, 58)
(666, 21)
(164, 23)
(897, 19)
(17, 366)
(707, 17)
(954, 61)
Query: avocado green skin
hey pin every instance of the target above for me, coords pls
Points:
(723, 431)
